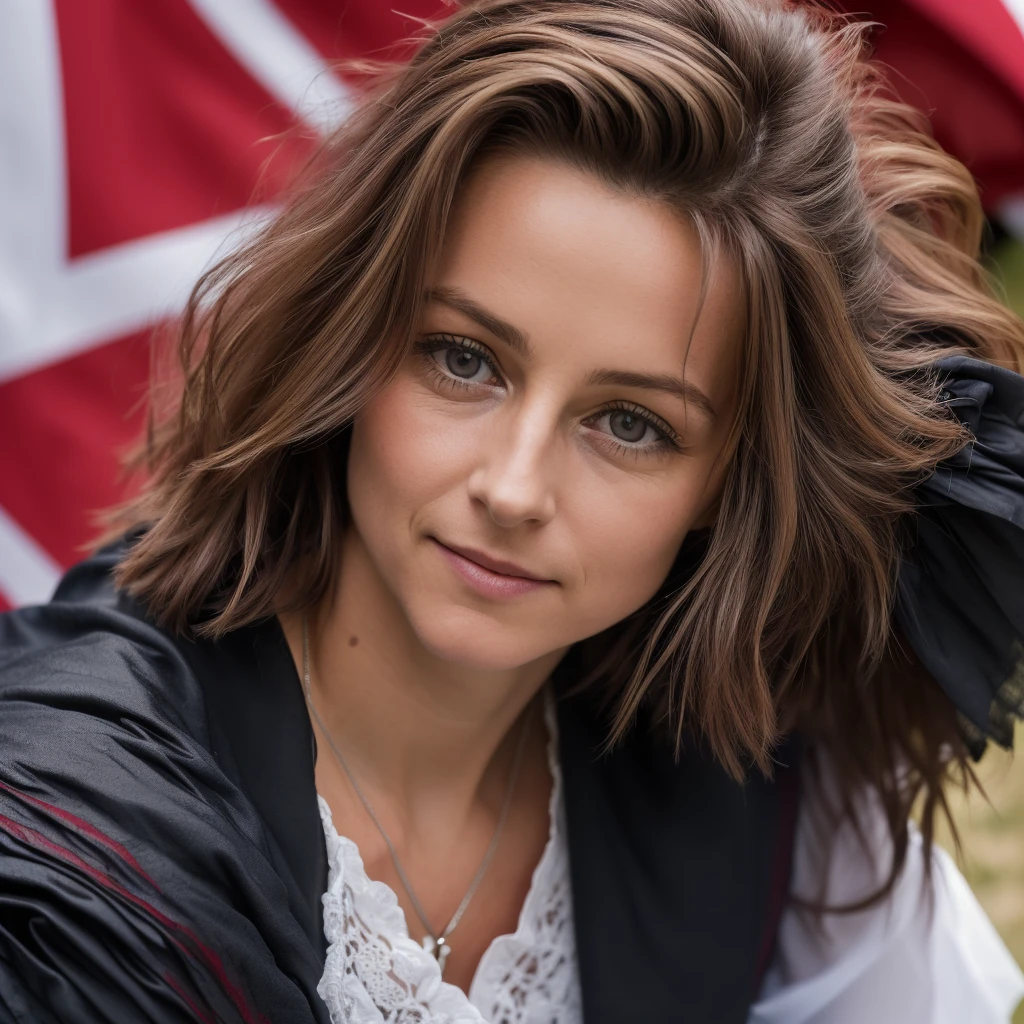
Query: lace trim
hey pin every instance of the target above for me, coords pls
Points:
(531, 975)
(376, 974)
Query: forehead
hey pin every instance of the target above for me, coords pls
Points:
(592, 275)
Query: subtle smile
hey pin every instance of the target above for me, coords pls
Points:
(490, 577)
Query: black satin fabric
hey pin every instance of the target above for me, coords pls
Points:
(961, 588)
(162, 859)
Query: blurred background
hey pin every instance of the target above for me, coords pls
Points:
(140, 138)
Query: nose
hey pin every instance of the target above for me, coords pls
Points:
(514, 479)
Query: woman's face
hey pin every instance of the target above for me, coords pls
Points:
(528, 477)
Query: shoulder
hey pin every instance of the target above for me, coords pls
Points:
(93, 697)
(90, 654)
(142, 872)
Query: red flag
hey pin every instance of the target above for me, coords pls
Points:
(963, 63)
(135, 137)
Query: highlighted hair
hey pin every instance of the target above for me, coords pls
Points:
(857, 239)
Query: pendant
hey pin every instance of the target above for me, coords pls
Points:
(438, 949)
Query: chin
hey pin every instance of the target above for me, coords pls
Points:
(475, 640)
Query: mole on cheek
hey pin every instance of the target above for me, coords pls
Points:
(353, 640)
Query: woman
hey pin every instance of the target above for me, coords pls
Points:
(614, 428)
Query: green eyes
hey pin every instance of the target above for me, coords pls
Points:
(460, 364)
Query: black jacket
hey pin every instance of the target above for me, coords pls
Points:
(162, 858)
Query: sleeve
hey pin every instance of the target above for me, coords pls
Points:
(134, 880)
(927, 954)
(960, 595)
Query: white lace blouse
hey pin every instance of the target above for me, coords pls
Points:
(894, 962)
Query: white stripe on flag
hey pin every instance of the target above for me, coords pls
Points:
(27, 573)
(1016, 9)
(280, 57)
(119, 290)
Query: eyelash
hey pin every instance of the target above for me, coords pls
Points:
(439, 342)
(669, 440)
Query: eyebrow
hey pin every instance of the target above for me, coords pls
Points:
(455, 299)
(518, 342)
(663, 382)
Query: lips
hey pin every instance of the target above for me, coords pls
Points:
(491, 578)
(495, 565)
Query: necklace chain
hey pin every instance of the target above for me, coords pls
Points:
(435, 943)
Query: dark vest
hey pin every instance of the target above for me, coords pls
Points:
(679, 874)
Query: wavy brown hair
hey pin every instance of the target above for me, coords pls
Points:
(857, 239)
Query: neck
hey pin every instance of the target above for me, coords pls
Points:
(426, 732)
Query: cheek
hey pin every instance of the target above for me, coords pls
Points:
(403, 456)
(628, 544)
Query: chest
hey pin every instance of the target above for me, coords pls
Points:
(674, 878)
(678, 872)
(376, 970)
(468, 885)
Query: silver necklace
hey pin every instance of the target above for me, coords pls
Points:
(433, 942)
